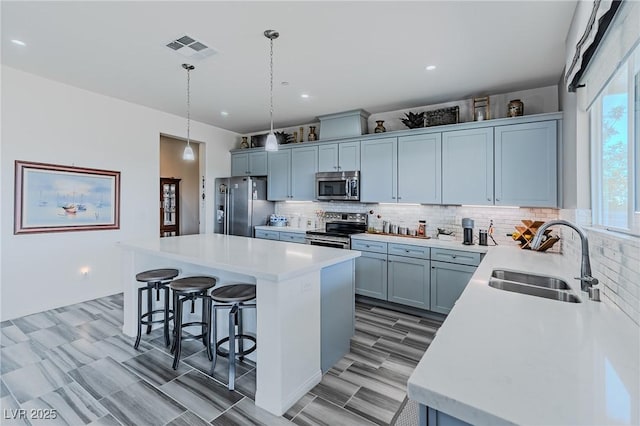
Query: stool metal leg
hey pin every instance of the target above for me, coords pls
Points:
(207, 319)
(178, 340)
(140, 290)
(167, 341)
(241, 340)
(232, 347)
(214, 331)
(149, 308)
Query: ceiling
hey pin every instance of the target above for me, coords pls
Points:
(344, 55)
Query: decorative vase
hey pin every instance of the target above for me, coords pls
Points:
(312, 134)
(295, 137)
(244, 144)
(301, 134)
(515, 108)
(379, 128)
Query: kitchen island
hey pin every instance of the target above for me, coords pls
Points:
(291, 282)
(509, 358)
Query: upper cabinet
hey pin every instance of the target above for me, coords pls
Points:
(526, 171)
(249, 164)
(467, 167)
(378, 171)
(420, 169)
(291, 174)
(339, 157)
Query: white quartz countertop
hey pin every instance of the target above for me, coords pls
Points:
(266, 259)
(508, 358)
(423, 242)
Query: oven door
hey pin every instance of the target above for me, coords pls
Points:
(328, 242)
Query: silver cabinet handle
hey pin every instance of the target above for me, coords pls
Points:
(393, 198)
(497, 199)
(488, 199)
(454, 256)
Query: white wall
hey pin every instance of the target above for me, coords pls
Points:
(49, 122)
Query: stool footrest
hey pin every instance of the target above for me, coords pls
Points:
(157, 311)
(225, 353)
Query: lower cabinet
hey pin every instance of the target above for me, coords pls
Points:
(292, 237)
(408, 281)
(371, 275)
(410, 274)
(448, 281)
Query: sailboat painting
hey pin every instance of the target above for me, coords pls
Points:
(55, 198)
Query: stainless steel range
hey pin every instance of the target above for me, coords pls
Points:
(339, 226)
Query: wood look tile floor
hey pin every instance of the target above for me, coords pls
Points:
(76, 361)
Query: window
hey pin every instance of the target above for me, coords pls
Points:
(615, 149)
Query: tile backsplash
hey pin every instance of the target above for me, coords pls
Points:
(447, 217)
(615, 261)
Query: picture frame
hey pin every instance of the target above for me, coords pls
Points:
(57, 198)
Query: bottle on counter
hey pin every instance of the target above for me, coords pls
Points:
(422, 228)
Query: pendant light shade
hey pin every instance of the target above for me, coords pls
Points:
(271, 143)
(188, 151)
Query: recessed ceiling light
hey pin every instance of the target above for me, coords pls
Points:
(304, 95)
(431, 67)
(18, 42)
(224, 113)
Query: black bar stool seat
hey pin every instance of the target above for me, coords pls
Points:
(156, 279)
(232, 297)
(185, 289)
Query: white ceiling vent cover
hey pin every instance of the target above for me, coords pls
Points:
(190, 48)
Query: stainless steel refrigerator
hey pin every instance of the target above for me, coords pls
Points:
(241, 204)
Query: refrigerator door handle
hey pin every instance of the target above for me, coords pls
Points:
(226, 212)
(229, 210)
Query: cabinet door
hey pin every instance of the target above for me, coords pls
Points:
(467, 167)
(448, 281)
(258, 164)
(293, 237)
(420, 169)
(239, 164)
(279, 175)
(371, 275)
(304, 165)
(526, 165)
(409, 281)
(379, 162)
(349, 156)
(267, 235)
(328, 157)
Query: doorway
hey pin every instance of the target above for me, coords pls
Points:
(188, 172)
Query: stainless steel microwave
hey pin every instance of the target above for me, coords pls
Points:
(338, 186)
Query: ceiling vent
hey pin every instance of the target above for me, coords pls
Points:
(191, 48)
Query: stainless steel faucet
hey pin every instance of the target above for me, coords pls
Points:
(586, 280)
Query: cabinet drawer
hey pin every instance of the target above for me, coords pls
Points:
(455, 256)
(292, 237)
(267, 235)
(409, 250)
(374, 246)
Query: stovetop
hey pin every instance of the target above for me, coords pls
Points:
(342, 225)
(335, 233)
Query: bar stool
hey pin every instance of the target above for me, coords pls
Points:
(232, 297)
(156, 279)
(185, 289)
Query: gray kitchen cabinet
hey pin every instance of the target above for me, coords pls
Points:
(408, 281)
(448, 281)
(526, 171)
(279, 175)
(378, 169)
(292, 237)
(420, 169)
(467, 166)
(267, 235)
(371, 275)
(304, 165)
(291, 174)
(339, 157)
(249, 164)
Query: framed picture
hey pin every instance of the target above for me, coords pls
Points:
(53, 198)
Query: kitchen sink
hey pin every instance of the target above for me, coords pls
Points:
(532, 290)
(530, 279)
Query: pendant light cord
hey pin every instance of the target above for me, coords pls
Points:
(271, 86)
(188, 105)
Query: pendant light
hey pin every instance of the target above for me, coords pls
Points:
(188, 151)
(272, 142)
